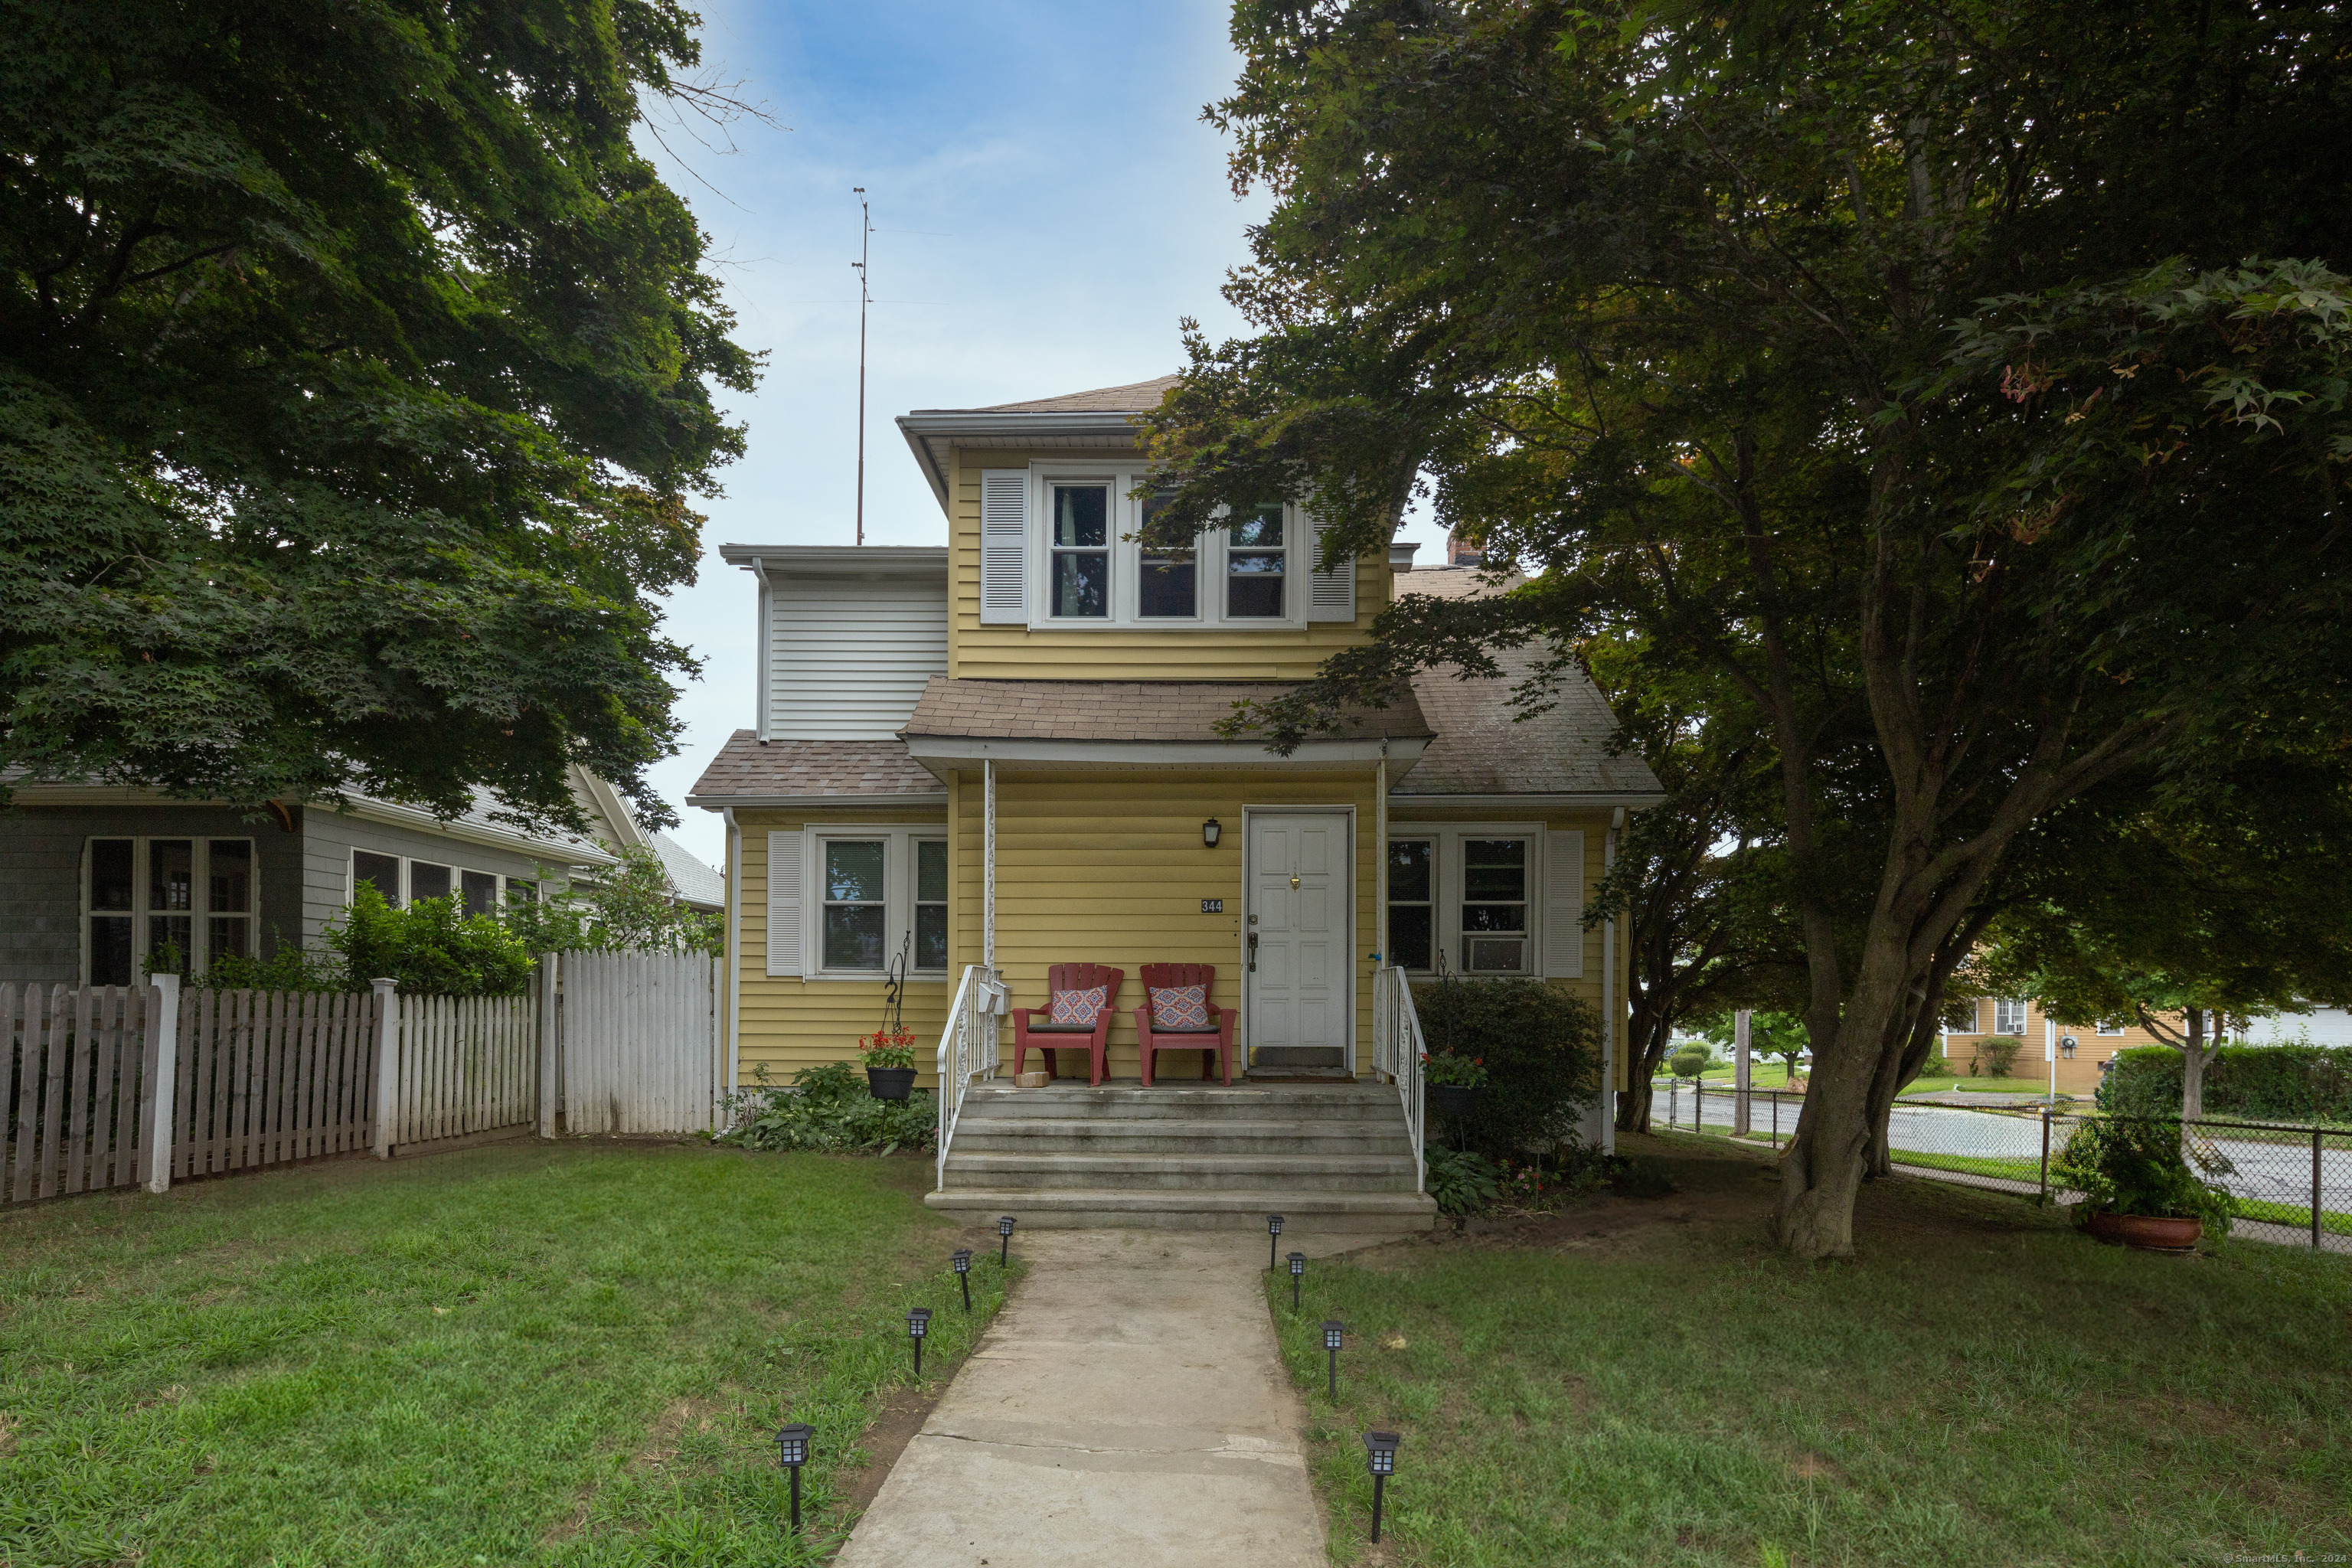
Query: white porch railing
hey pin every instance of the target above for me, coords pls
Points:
(1397, 1049)
(967, 1047)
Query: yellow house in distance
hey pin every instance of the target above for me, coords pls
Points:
(973, 762)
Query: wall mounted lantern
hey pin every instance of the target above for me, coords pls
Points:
(1210, 831)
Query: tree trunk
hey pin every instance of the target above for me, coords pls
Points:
(1652, 1028)
(1823, 1167)
(2193, 1057)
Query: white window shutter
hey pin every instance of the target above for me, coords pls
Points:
(1003, 546)
(1330, 595)
(1563, 905)
(785, 901)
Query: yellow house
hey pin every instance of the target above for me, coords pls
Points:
(2074, 1053)
(975, 760)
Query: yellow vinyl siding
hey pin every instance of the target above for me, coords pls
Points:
(787, 1023)
(1100, 867)
(1176, 653)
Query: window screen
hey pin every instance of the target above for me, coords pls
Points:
(1080, 585)
(482, 891)
(426, 880)
(1253, 563)
(381, 872)
(931, 904)
(1170, 583)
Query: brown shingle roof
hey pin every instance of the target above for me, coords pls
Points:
(1133, 398)
(1172, 711)
(1481, 750)
(806, 769)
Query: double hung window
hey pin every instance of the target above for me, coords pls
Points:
(2111, 1028)
(879, 893)
(1485, 899)
(1079, 585)
(1167, 584)
(403, 881)
(1412, 905)
(2009, 1018)
(856, 904)
(168, 905)
(1255, 564)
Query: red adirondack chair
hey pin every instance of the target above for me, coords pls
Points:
(1215, 1042)
(1049, 1036)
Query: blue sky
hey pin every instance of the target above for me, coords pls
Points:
(1046, 202)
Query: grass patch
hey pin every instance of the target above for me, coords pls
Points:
(522, 1353)
(1655, 1382)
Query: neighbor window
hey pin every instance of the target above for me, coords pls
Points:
(855, 903)
(482, 891)
(426, 880)
(2009, 1018)
(381, 872)
(1168, 581)
(931, 904)
(1079, 588)
(166, 905)
(1253, 563)
(2111, 1028)
(1412, 904)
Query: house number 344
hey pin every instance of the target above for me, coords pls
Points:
(1212, 906)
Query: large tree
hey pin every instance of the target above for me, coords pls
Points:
(355, 370)
(1893, 361)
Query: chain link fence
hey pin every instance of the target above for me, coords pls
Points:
(2292, 1183)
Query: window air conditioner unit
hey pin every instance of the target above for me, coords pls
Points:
(1495, 954)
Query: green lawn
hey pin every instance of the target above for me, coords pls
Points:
(518, 1354)
(1775, 1075)
(1651, 1382)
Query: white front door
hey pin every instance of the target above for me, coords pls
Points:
(1296, 939)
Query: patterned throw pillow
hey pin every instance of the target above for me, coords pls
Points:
(1077, 1006)
(1180, 1006)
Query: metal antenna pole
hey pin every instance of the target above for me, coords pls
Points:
(864, 297)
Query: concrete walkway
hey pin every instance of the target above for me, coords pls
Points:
(1125, 1408)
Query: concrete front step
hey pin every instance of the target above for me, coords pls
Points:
(1256, 1102)
(1176, 1135)
(1303, 1214)
(1191, 1173)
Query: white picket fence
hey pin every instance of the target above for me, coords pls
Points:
(127, 1086)
(461, 1067)
(642, 1042)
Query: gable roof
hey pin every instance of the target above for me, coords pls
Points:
(1100, 419)
(696, 884)
(1135, 397)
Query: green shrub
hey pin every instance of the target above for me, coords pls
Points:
(1542, 1047)
(2136, 1167)
(428, 947)
(1689, 1061)
(829, 1108)
(2264, 1083)
(1996, 1055)
(1460, 1182)
(1936, 1065)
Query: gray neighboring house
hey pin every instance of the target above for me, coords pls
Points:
(700, 888)
(95, 877)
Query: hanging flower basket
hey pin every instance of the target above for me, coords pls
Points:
(889, 1063)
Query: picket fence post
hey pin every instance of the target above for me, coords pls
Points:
(387, 1063)
(163, 1051)
(547, 1043)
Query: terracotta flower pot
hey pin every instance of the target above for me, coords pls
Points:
(2150, 1233)
(890, 1083)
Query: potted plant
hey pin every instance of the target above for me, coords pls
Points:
(889, 1063)
(1454, 1082)
(2138, 1187)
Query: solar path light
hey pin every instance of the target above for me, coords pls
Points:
(1380, 1454)
(1332, 1330)
(793, 1441)
(961, 1258)
(1273, 1230)
(919, 1323)
(1298, 1266)
(1003, 1239)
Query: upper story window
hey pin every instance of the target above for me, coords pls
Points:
(1255, 562)
(1168, 582)
(1079, 581)
(1059, 547)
